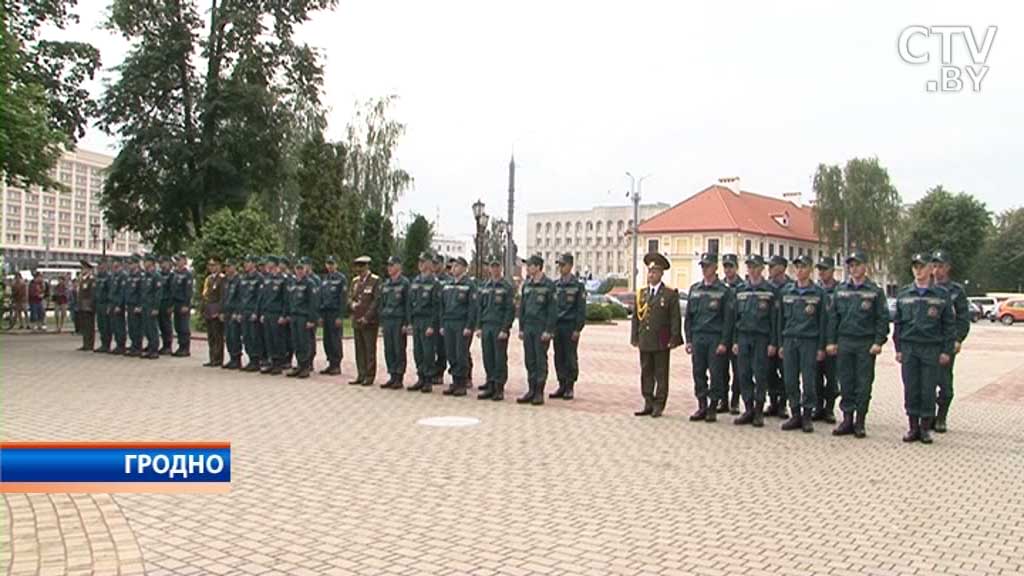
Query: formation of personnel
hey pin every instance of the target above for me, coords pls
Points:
(791, 347)
(803, 343)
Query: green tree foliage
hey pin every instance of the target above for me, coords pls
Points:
(861, 196)
(1001, 265)
(377, 241)
(328, 215)
(418, 236)
(956, 223)
(372, 140)
(234, 234)
(44, 107)
(203, 109)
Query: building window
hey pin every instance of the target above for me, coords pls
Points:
(761, 251)
(652, 245)
(12, 238)
(771, 249)
(801, 251)
(747, 246)
(712, 245)
(790, 252)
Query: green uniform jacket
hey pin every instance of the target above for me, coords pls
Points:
(133, 290)
(924, 317)
(657, 323)
(304, 298)
(230, 302)
(334, 294)
(102, 291)
(757, 311)
(803, 313)
(859, 312)
(958, 296)
(249, 290)
(572, 302)
(459, 301)
(497, 305)
(166, 292)
(181, 287)
(394, 300)
(710, 310)
(425, 299)
(115, 288)
(152, 289)
(273, 294)
(538, 308)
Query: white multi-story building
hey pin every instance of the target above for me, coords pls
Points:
(453, 246)
(61, 225)
(597, 238)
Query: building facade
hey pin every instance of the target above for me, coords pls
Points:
(724, 219)
(598, 238)
(453, 246)
(41, 226)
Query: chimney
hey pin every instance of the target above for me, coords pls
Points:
(795, 197)
(732, 183)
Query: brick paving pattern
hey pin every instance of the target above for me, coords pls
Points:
(335, 479)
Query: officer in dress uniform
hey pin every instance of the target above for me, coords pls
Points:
(364, 303)
(213, 292)
(152, 295)
(776, 381)
(458, 322)
(115, 297)
(710, 315)
(803, 324)
(250, 287)
(655, 330)
(425, 304)
(87, 306)
(858, 328)
(497, 312)
(165, 320)
(303, 311)
(231, 315)
(756, 339)
(333, 309)
(827, 384)
(732, 279)
(924, 334)
(102, 292)
(571, 297)
(538, 318)
(181, 304)
(941, 265)
(133, 306)
(396, 323)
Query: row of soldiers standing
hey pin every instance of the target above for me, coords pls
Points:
(796, 341)
(137, 307)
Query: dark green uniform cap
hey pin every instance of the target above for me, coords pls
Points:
(708, 258)
(941, 257)
(564, 259)
(271, 260)
(730, 260)
(778, 260)
(149, 258)
(394, 261)
(284, 261)
(439, 258)
(535, 260)
(331, 259)
(495, 262)
(804, 261)
(426, 256)
(826, 263)
(755, 260)
(460, 260)
(857, 256)
(85, 263)
(305, 261)
(920, 258)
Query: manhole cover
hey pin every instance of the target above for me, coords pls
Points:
(449, 421)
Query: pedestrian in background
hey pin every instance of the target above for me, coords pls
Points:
(19, 299)
(36, 302)
(60, 302)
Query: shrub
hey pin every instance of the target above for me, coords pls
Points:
(598, 313)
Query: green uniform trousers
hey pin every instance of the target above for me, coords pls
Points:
(424, 349)
(706, 362)
(826, 383)
(150, 326)
(945, 397)
(856, 368)
(233, 337)
(301, 341)
(252, 337)
(332, 337)
(366, 351)
(752, 368)
(495, 352)
(654, 366)
(457, 348)
(183, 328)
(87, 328)
(800, 366)
(166, 324)
(135, 329)
(273, 339)
(922, 376)
(103, 325)
(395, 345)
(117, 327)
(567, 362)
(535, 351)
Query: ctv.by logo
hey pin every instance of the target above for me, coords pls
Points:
(914, 50)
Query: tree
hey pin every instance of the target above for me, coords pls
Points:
(44, 107)
(235, 234)
(377, 241)
(1003, 256)
(861, 199)
(418, 236)
(329, 212)
(203, 109)
(958, 224)
(372, 140)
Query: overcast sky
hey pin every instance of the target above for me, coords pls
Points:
(686, 92)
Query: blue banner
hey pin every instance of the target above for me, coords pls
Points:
(89, 464)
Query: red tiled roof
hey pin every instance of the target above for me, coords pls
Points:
(719, 209)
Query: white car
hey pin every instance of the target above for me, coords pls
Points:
(988, 305)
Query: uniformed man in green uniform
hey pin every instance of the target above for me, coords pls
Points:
(803, 324)
(425, 304)
(571, 297)
(365, 307)
(497, 312)
(396, 323)
(115, 297)
(87, 306)
(444, 278)
(924, 334)
(756, 339)
(655, 329)
(284, 265)
(133, 305)
(250, 287)
(827, 385)
(272, 317)
(858, 328)
(333, 310)
(303, 312)
(732, 279)
(538, 317)
(776, 381)
(710, 316)
(165, 319)
(181, 304)
(152, 296)
(231, 315)
(102, 292)
(941, 267)
(458, 322)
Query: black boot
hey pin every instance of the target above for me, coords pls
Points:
(702, 410)
(758, 421)
(417, 386)
(569, 391)
(795, 422)
(829, 412)
(914, 433)
(925, 430)
(734, 405)
(806, 421)
(303, 372)
(773, 409)
(647, 411)
(858, 425)
(526, 398)
(846, 428)
(498, 392)
(723, 406)
(746, 418)
(714, 408)
(390, 382)
(486, 392)
(940, 419)
(460, 387)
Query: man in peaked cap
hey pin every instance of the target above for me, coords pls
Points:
(710, 316)
(181, 303)
(803, 325)
(87, 306)
(333, 311)
(777, 266)
(425, 304)
(102, 292)
(827, 386)
(213, 293)
(364, 304)
(732, 279)
(442, 275)
(458, 322)
(941, 267)
(538, 316)
(571, 296)
(165, 319)
(496, 313)
(655, 330)
(396, 322)
(231, 316)
(756, 339)
(303, 312)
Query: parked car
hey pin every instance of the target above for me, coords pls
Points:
(627, 299)
(605, 299)
(976, 311)
(1010, 311)
(987, 304)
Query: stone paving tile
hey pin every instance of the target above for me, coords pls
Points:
(334, 479)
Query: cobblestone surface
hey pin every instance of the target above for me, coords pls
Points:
(335, 479)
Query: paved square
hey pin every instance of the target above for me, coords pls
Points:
(335, 479)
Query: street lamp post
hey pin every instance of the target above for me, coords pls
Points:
(94, 231)
(634, 192)
(481, 218)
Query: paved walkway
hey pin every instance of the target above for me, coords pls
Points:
(334, 479)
